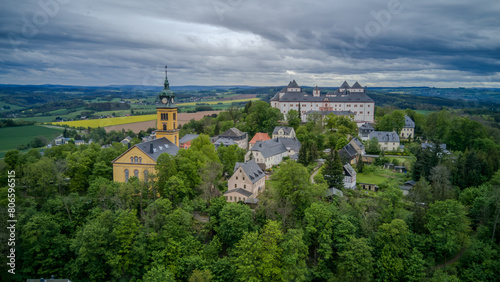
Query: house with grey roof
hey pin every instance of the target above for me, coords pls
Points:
(344, 99)
(246, 183)
(241, 138)
(224, 142)
(364, 130)
(349, 177)
(267, 153)
(292, 145)
(352, 150)
(388, 141)
(185, 141)
(283, 131)
(408, 130)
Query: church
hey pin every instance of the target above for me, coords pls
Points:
(346, 100)
(140, 160)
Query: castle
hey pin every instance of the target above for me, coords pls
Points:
(346, 100)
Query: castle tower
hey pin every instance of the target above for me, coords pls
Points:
(166, 114)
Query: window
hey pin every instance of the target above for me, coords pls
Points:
(131, 159)
(368, 106)
(234, 185)
(146, 176)
(226, 198)
(230, 198)
(236, 177)
(244, 186)
(136, 159)
(174, 116)
(166, 116)
(140, 160)
(243, 177)
(175, 139)
(360, 113)
(136, 173)
(355, 106)
(164, 127)
(126, 175)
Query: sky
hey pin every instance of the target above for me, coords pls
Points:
(380, 43)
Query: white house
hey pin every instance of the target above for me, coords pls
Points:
(246, 183)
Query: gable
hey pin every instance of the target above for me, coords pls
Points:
(134, 152)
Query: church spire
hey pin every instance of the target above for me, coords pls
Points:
(166, 84)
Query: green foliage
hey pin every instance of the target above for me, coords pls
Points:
(449, 227)
(158, 274)
(344, 125)
(373, 147)
(333, 171)
(293, 119)
(393, 122)
(356, 261)
(229, 156)
(234, 221)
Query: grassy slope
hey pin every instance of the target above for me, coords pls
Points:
(11, 137)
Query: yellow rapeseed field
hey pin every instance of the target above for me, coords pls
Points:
(106, 121)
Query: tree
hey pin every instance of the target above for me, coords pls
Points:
(393, 248)
(448, 225)
(393, 122)
(344, 125)
(421, 197)
(293, 119)
(440, 183)
(356, 261)
(373, 147)
(200, 276)
(158, 274)
(333, 171)
(229, 156)
(293, 258)
(234, 221)
(360, 165)
(258, 257)
(210, 175)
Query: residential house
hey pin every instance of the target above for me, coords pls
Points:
(259, 136)
(364, 131)
(352, 151)
(292, 145)
(140, 160)
(349, 177)
(246, 183)
(224, 142)
(407, 186)
(388, 141)
(284, 131)
(408, 130)
(241, 138)
(267, 153)
(185, 142)
(126, 140)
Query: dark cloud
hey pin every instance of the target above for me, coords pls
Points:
(379, 43)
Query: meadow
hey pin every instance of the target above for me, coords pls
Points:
(93, 123)
(11, 137)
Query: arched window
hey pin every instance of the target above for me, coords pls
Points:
(131, 159)
(174, 116)
(126, 175)
(146, 176)
(140, 160)
(174, 125)
(136, 159)
(164, 127)
(136, 173)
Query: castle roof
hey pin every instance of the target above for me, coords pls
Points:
(345, 85)
(293, 84)
(357, 85)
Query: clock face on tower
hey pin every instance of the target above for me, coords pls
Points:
(164, 100)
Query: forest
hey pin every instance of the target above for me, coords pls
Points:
(74, 222)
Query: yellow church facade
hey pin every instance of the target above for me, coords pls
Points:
(140, 160)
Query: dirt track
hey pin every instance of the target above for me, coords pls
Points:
(138, 126)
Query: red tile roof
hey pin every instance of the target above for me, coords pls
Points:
(259, 136)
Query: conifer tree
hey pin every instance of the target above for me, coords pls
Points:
(334, 171)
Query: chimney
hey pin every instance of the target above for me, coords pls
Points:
(151, 148)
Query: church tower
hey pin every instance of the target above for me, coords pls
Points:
(166, 114)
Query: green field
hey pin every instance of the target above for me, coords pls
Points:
(380, 176)
(11, 137)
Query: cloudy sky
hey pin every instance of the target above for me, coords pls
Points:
(446, 43)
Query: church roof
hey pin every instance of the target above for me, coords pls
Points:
(251, 169)
(155, 148)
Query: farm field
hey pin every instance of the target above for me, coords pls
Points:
(11, 137)
(215, 102)
(106, 121)
(182, 118)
